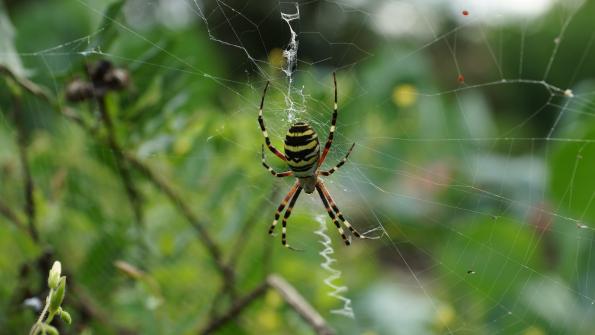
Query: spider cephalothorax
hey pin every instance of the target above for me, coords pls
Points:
(302, 155)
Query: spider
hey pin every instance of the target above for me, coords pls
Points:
(302, 155)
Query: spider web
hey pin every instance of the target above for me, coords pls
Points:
(429, 176)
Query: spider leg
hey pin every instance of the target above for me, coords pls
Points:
(339, 214)
(286, 216)
(331, 133)
(320, 189)
(336, 167)
(267, 140)
(282, 206)
(273, 172)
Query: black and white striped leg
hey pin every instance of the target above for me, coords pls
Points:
(336, 167)
(273, 172)
(338, 212)
(331, 133)
(282, 206)
(286, 216)
(267, 140)
(330, 212)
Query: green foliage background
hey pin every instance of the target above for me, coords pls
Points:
(481, 237)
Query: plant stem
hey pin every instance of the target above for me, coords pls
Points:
(300, 305)
(233, 312)
(186, 212)
(26, 170)
(11, 216)
(291, 296)
(123, 169)
(42, 315)
(238, 246)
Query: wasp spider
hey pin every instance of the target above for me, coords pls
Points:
(302, 155)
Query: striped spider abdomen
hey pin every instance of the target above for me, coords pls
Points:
(302, 150)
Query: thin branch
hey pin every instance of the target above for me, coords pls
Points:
(238, 246)
(11, 216)
(71, 115)
(41, 93)
(29, 187)
(248, 224)
(90, 311)
(185, 210)
(131, 191)
(28, 85)
(300, 305)
(235, 310)
(289, 294)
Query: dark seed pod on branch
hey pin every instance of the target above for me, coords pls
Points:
(79, 90)
(98, 71)
(106, 77)
(117, 79)
(103, 76)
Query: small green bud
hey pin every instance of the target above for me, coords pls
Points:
(54, 276)
(47, 329)
(65, 316)
(58, 295)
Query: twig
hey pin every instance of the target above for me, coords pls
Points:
(29, 188)
(185, 210)
(237, 247)
(28, 85)
(131, 191)
(233, 312)
(10, 215)
(71, 115)
(92, 311)
(289, 294)
(300, 305)
(248, 224)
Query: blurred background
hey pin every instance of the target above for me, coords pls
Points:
(474, 131)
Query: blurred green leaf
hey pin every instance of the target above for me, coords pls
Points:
(98, 271)
(493, 249)
(572, 185)
(9, 56)
(108, 28)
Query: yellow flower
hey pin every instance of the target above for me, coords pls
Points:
(404, 95)
(533, 331)
(445, 315)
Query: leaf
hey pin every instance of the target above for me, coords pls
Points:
(108, 31)
(98, 270)
(572, 182)
(540, 292)
(485, 246)
(150, 98)
(9, 56)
